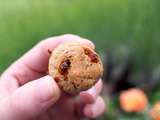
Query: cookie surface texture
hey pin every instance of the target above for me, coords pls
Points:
(75, 67)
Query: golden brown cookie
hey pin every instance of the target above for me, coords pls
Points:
(75, 67)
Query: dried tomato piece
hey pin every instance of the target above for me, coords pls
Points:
(91, 55)
(56, 78)
(64, 66)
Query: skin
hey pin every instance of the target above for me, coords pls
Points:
(28, 93)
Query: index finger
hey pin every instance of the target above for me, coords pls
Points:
(34, 64)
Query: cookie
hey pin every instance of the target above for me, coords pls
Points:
(75, 67)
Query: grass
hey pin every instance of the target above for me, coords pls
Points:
(112, 25)
(118, 26)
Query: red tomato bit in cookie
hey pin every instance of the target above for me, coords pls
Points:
(64, 66)
(56, 79)
(91, 55)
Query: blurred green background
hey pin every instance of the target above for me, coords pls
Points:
(113, 25)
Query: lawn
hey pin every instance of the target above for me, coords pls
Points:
(120, 27)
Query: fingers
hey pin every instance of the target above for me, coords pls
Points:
(34, 63)
(96, 109)
(88, 97)
(91, 95)
(30, 100)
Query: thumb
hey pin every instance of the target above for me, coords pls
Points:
(30, 100)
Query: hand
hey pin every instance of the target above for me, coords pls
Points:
(28, 93)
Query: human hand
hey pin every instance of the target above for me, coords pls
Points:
(28, 93)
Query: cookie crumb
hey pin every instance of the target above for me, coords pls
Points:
(49, 51)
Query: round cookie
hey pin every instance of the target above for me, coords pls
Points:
(75, 67)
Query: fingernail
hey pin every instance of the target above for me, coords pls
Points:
(92, 92)
(45, 89)
(86, 42)
(89, 43)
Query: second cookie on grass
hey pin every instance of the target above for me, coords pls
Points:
(75, 67)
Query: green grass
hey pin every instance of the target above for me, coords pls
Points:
(117, 26)
(112, 24)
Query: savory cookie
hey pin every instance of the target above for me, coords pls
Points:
(75, 67)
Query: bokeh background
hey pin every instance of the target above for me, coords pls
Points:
(123, 29)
